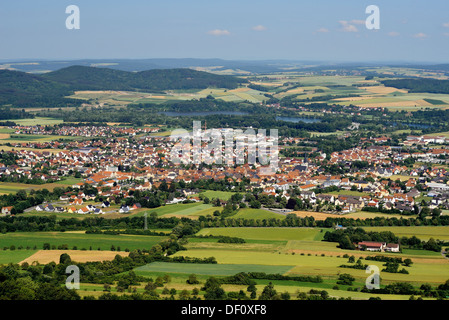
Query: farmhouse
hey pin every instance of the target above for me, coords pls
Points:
(6, 210)
(371, 246)
(124, 209)
(392, 247)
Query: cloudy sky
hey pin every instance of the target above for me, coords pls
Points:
(329, 30)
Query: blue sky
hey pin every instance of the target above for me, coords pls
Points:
(328, 30)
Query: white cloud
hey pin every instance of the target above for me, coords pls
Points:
(259, 28)
(393, 34)
(446, 24)
(347, 26)
(357, 22)
(322, 30)
(219, 32)
(420, 35)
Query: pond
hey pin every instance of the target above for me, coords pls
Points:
(296, 119)
(202, 113)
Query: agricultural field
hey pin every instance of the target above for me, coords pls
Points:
(14, 256)
(257, 214)
(208, 269)
(13, 187)
(266, 233)
(47, 256)
(303, 249)
(421, 232)
(80, 240)
(121, 98)
(179, 209)
(222, 195)
(41, 121)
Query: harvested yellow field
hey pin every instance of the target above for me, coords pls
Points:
(382, 89)
(99, 91)
(268, 84)
(354, 98)
(8, 148)
(156, 97)
(315, 215)
(4, 136)
(296, 90)
(240, 90)
(47, 256)
(415, 103)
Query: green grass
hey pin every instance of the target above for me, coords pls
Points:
(266, 233)
(257, 214)
(434, 271)
(417, 252)
(37, 121)
(435, 101)
(171, 209)
(348, 193)
(208, 269)
(421, 232)
(69, 181)
(14, 256)
(80, 240)
(222, 195)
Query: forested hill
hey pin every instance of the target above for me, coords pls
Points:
(419, 85)
(91, 78)
(20, 89)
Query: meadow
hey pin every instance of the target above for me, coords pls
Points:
(257, 214)
(421, 232)
(222, 195)
(192, 210)
(266, 233)
(79, 239)
(13, 187)
(208, 269)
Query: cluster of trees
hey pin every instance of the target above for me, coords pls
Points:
(224, 239)
(405, 288)
(419, 85)
(347, 237)
(8, 113)
(414, 243)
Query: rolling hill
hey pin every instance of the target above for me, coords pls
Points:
(91, 78)
(20, 89)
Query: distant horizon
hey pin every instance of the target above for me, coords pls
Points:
(323, 62)
(409, 31)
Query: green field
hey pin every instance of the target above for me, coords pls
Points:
(69, 181)
(348, 193)
(425, 270)
(222, 195)
(13, 187)
(421, 232)
(257, 214)
(14, 256)
(266, 233)
(37, 121)
(181, 209)
(80, 240)
(208, 269)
